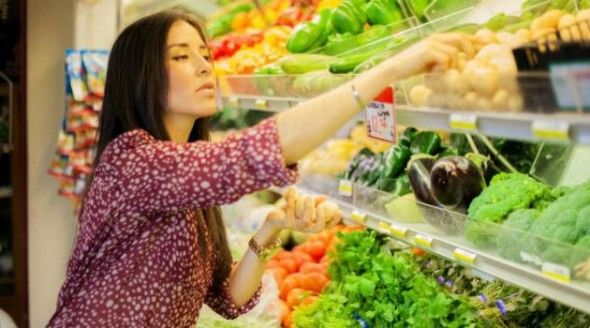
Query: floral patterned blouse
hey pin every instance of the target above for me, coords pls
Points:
(136, 258)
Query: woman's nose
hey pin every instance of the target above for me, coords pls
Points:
(204, 70)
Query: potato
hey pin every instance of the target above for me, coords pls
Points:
(569, 29)
(419, 95)
(524, 34)
(515, 103)
(470, 100)
(483, 104)
(544, 34)
(584, 24)
(500, 100)
(486, 36)
(482, 78)
(508, 39)
(548, 20)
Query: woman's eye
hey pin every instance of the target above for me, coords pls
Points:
(207, 57)
(180, 58)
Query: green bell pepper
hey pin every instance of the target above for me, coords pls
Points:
(384, 12)
(426, 142)
(408, 136)
(310, 34)
(395, 161)
(349, 16)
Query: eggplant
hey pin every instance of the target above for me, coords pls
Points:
(455, 181)
(419, 175)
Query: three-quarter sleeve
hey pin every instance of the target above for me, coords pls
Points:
(221, 301)
(157, 176)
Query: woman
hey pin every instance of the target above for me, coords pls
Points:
(151, 246)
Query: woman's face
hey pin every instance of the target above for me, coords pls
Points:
(191, 84)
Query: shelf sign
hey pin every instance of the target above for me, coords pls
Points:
(345, 188)
(423, 240)
(381, 116)
(261, 104)
(234, 102)
(399, 232)
(556, 271)
(548, 130)
(358, 217)
(466, 122)
(464, 256)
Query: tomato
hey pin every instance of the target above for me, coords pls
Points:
(417, 251)
(309, 299)
(311, 267)
(290, 265)
(282, 254)
(272, 264)
(284, 309)
(315, 282)
(290, 282)
(317, 250)
(288, 322)
(296, 296)
(301, 259)
(279, 274)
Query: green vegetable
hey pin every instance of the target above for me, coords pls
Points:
(312, 34)
(506, 193)
(222, 25)
(500, 21)
(347, 64)
(313, 83)
(566, 220)
(349, 16)
(514, 233)
(385, 289)
(384, 12)
(304, 63)
(395, 161)
(426, 142)
(340, 43)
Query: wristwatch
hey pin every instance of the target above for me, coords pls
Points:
(264, 253)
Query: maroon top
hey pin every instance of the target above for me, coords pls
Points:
(136, 259)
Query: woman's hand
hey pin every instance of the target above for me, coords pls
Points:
(305, 213)
(434, 53)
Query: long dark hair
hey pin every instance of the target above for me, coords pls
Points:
(135, 98)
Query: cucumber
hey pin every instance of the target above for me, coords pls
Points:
(303, 63)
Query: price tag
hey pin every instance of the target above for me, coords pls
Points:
(261, 104)
(358, 217)
(381, 117)
(556, 271)
(423, 241)
(532, 259)
(345, 188)
(399, 232)
(234, 102)
(463, 122)
(551, 130)
(464, 256)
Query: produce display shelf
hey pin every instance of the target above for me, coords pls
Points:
(556, 127)
(486, 265)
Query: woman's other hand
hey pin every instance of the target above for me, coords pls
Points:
(305, 213)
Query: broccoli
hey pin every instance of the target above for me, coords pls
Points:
(566, 220)
(506, 193)
(514, 232)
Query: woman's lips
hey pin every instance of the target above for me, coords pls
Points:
(206, 86)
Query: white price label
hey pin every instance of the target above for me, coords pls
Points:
(532, 259)
(551, 130)
(423, 241)
(234, 102)
(345, 188)
(358, 217)
(261, 104)
(556, 271)
(464, 256)
(463, 122)
(381, 117)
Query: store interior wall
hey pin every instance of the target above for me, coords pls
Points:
(51, 225)
(53, 26)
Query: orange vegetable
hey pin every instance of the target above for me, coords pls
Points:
(309, 299)
(288, 322)
(315, 282)
(272, 264)
(296, 296)
(279, 274)
(311, 267)
(417, 251)
(282, 254)
(301, 258)
(291, 281)
(290, 265)
(284, 309)
(316, 249)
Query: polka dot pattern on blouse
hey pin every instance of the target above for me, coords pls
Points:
(136, 259)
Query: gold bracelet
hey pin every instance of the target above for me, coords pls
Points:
(357, 97)
(264, 253)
